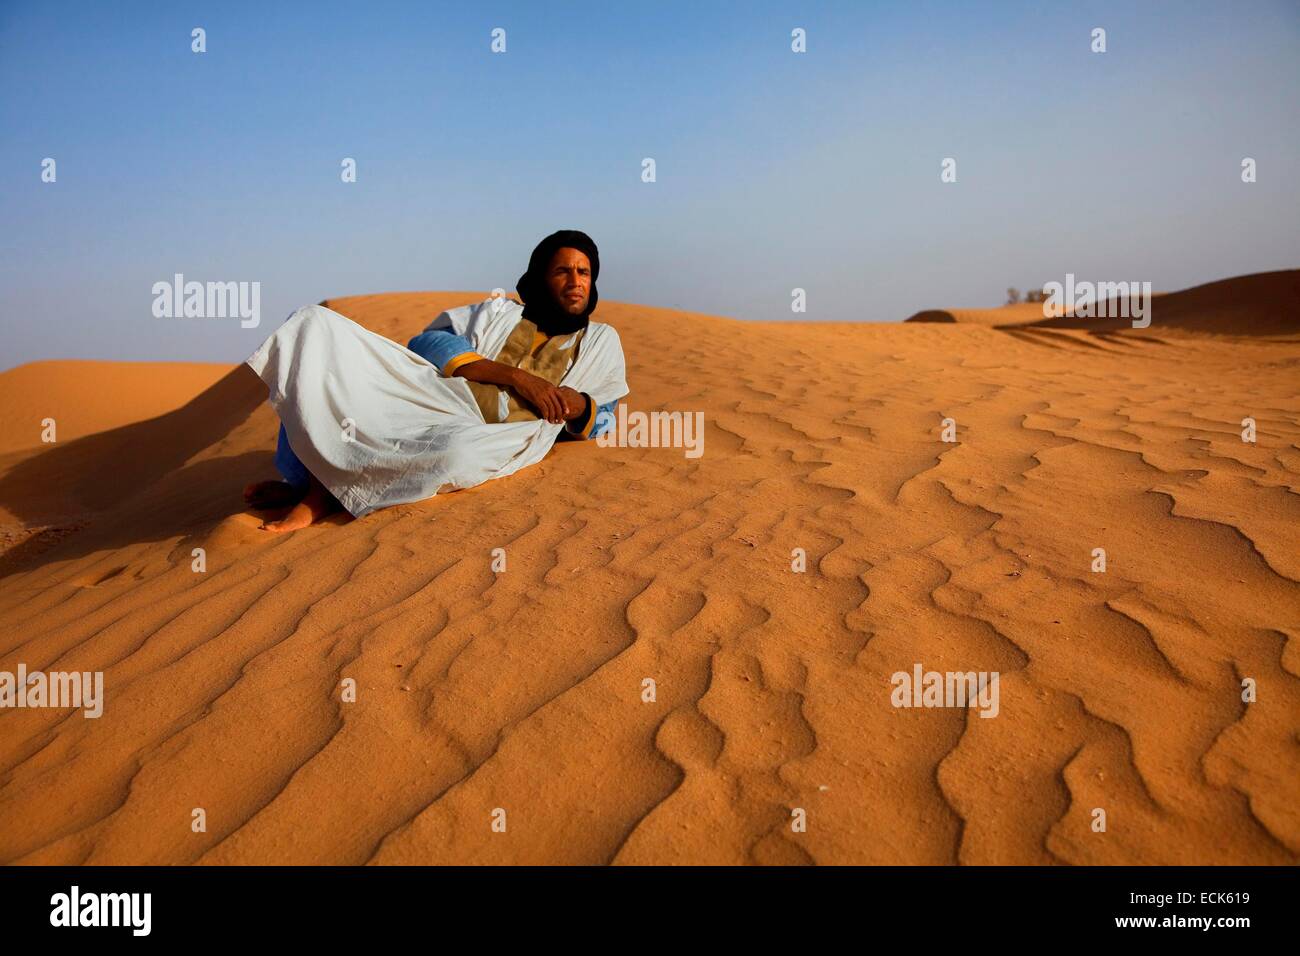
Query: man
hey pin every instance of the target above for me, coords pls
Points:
(485, 390)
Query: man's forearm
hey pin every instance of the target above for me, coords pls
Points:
(489, 373)
(546, 399)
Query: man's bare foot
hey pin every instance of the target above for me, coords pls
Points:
(269, 495)
(316, 504)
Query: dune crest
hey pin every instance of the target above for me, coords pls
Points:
(521, 696)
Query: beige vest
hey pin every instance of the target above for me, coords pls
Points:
(528, 349)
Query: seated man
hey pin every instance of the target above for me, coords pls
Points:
(482, 392)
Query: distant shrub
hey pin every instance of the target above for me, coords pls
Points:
(1033, 295)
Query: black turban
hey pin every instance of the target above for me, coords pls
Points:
(540, 305)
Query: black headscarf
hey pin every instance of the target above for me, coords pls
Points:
(540, 305)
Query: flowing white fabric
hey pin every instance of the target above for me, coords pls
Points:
(380, 426)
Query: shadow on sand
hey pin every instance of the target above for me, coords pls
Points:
(131, 484)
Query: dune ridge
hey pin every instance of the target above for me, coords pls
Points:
(522, 691)
(1265, 304)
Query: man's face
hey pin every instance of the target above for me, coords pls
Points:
(569, 276)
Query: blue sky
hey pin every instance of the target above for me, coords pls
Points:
(775, 170)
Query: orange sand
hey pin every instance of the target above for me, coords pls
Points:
(523, 690)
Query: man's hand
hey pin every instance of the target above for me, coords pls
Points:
(549, 401)
(555, 405)
(575, 403)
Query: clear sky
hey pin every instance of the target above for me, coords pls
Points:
(775, 170)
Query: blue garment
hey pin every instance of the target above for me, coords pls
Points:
(289, 466)
(604, 418)
(438, 346)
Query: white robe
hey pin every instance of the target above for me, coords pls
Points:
(379, 426)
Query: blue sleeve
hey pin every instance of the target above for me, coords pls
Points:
(604, 418)
(438, 346)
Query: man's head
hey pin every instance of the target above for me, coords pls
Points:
(569, 279)
(559, 289)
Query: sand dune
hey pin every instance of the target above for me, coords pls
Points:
(90, 400)
(85, 397)
(1265, 304)
(1021, 313)
(523, 690)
